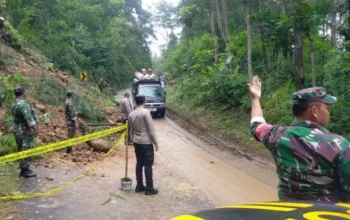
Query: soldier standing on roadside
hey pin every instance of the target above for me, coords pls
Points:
(26, 128)
(72, 120)
(145, 142)
(125, 109)
(102, 84)
(312, 163)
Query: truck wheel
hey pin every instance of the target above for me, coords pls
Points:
(162, 114)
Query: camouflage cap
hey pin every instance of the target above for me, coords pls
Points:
(19, 89)
(70, 92)
(311, 95)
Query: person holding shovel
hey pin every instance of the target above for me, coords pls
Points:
(144, 138)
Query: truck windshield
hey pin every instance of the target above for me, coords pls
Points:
(151, 91)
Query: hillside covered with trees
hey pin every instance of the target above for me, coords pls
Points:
(289, 44)
(107, 38)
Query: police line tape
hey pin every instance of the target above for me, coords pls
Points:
(310, 210)
(58, 189)
(59, 145)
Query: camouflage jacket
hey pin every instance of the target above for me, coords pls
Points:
(24, 117)
(312, 163)
(70, 112)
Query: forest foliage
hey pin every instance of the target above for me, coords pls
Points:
(104, 37)
(289, 44)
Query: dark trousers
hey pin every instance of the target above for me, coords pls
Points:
(145, 158)
(72, 132)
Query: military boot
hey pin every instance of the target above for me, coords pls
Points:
(27, 173)
(69, 150)
(150, 190)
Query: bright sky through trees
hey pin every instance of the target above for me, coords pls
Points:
(151, 6)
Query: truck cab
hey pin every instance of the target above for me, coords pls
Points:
(155, 95)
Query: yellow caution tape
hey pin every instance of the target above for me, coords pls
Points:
(53, 191)
(187, 217)
(59, 145)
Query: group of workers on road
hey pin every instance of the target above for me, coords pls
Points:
(311, 162)
(141, 132)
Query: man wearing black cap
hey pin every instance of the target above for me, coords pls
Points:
(312, 163)
(145, 142)
(26, 128)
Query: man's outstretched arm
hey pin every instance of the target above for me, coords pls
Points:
(255, 95)
(259, 129)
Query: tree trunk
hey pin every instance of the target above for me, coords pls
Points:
(334, 24)
(219, 22)
(263, 43)
(299, 62)
(312, 52)
(224, 20)
(347, 36)
(213, 31)
(283, 6)
(249, 39)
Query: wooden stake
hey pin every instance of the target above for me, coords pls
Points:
(126, 150)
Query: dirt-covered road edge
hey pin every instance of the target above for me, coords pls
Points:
(215, 138)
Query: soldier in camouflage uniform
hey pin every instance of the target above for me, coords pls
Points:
(26, 128)
(72, 121)
(71, 113)
(312, 163)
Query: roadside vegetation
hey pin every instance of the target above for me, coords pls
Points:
(290, 45)
(102, 38)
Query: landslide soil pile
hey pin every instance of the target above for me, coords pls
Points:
(54, 128)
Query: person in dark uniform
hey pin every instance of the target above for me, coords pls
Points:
(145, 142)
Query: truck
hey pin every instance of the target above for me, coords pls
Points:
(154, 92)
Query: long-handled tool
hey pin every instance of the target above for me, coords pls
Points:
(126, 182)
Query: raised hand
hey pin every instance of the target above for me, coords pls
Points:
(255, 88)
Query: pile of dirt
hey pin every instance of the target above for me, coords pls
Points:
(55, 127)
(55, 130)
(61, 76)
(111, 113)
(52, 119)
(23, 68)
(82, 156)
(33, 70)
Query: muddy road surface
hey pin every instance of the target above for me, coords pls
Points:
(190, 173)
